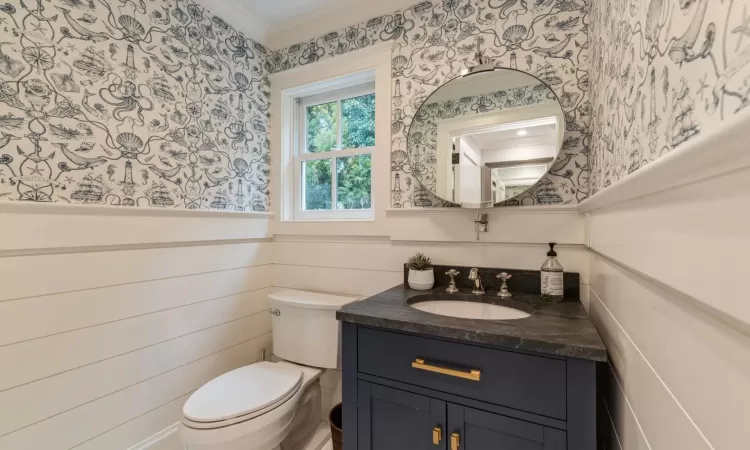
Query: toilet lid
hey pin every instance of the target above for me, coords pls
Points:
(242, 391)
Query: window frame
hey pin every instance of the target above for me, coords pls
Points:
(352, 88)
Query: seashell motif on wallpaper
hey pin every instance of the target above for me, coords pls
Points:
(399, 158)
(514, 34)
(121, 97)
(399, 63)
(131, 144)
(131, 25)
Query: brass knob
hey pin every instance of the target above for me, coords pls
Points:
(454, 441)
(437, 435)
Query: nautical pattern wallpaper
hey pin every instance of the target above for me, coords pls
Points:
(422, 136)
(132, 103)
(434, 40)
(663, 72)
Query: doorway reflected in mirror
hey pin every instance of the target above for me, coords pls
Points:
(502, 161)
(486, 138)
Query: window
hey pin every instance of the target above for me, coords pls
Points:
(332, 158)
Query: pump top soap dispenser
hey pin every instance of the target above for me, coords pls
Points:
(552, 277)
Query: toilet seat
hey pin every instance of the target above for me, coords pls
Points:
(260, 430)
(241, 395)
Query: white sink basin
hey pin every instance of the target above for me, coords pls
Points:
(470, 310)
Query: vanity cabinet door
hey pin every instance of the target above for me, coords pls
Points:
(390, 419)
(472, 429)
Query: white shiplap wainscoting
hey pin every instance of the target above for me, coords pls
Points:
(668, 293)
(111, 317)
(363, 265)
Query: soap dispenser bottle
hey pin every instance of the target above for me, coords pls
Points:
(552, 277)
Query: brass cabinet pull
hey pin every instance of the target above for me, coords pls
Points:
(454, 441)
(472, 374)
(437, 435)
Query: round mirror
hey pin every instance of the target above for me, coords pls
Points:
(486, 137)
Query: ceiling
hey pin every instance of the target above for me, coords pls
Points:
(288, 22)
(278, 12)
(534, 135)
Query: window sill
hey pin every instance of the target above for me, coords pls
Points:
(333, 219)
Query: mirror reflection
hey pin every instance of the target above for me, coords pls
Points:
(486, 138)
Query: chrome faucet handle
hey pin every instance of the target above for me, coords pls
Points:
(504, 287)
(452, 289)
(474, 276)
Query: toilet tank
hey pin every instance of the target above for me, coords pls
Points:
(305, 329)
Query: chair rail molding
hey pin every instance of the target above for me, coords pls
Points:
(686, 164)
(538, 209)
(100, 210)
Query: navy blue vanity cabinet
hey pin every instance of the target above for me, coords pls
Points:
(392, 419)
(403, 391)
(474, 429)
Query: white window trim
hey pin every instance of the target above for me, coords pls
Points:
(294, 134)
(300, 156)
(377, 59)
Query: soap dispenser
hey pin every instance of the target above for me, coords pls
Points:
(552, 277)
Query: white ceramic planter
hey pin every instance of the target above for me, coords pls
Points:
(421, 280)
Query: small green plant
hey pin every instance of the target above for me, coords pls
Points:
(419, 262)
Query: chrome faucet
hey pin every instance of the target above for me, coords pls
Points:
(474, 276)
(452, 289)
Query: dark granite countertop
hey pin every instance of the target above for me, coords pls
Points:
(562, 329)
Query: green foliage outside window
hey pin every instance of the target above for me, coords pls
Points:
(317, 184)
(354, 181)
(321, 127)
(358, 127)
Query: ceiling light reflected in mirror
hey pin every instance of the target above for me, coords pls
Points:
(486, 138)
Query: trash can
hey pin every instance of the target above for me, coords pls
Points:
(336, 433)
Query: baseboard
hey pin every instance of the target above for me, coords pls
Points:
(152, 441)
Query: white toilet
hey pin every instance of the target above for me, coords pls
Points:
(268, 406)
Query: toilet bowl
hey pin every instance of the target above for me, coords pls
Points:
(269, 406)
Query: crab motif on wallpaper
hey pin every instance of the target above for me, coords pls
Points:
(131, 104)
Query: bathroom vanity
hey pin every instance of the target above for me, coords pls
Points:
(417, 380)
